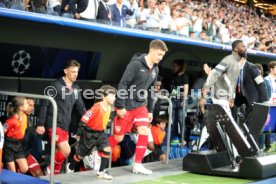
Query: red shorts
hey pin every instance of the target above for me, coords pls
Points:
(136, 117)
(62, 135)
(32, 163)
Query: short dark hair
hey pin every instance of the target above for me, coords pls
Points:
(162, 1)
(158, 44)
(235, 43)
(160, 119)
(70, 63)
(271, 65)
(30, 98)
(159, 78)
(108, 89)
(14, 104)
(260, 67)
(181, 64)
(257, 44)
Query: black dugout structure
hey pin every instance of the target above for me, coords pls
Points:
(221, 161)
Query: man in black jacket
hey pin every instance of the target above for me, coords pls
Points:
(136, 109)
(251, 87)
(67, 95)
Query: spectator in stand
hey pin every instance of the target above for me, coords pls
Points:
(182, 24)
(14, 129)
(84, 9)
(153, 17)
(120, 12)
(165, 18)
(131, 20)
(140, 16)
(197, 22)
(67, 96)
(158, 134)
(225, 33)
(37, 6)
(203, 36)
(192, 35)
(262, 46)
(104, 12)
(224, 21)
(175, 15)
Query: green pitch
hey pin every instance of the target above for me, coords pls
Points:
(190, 178)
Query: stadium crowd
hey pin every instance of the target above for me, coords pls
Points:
(219, 21)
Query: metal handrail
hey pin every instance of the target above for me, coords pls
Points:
(169, 125)
(183, 122)
(53, 143)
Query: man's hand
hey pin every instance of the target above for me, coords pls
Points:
(57, 137)
(204, 92)
(202, 102)
(77, 16)
(231, 103)
(207, 69)
(40, 130)
(77, 137)
(150, 116)
(163, 157)
(121, 112)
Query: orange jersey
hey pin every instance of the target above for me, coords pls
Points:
(158, 135)
(15, 128)
(96, 118)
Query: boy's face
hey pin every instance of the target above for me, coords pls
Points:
(110, 98)
(162, 125)
(24, 107)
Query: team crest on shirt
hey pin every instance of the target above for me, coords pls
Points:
(117, 128)
(87, 115)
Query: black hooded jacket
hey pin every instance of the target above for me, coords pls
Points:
(138, 80)
(65, 100)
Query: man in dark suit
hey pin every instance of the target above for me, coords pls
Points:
(251, 88)
(104, 12)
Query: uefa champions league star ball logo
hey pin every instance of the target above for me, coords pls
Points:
(20, 61)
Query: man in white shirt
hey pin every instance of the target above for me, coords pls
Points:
(165, 18)
(270, 82)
